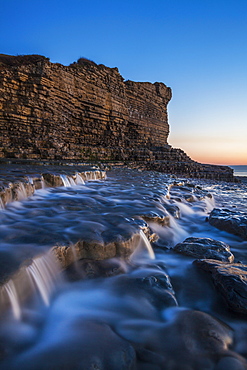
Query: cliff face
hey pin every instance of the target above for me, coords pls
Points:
(88, 112)
(57, 112)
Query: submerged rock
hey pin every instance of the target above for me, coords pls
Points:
(230, 280)
(101, 348)
(200, 340)
(230, 221)
(149, 284)
(205, 248)
(188, 340)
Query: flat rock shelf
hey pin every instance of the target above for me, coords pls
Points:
(120, 269)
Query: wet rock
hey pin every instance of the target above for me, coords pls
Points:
(230, 221)
(230, 280)
(95, 249)
(205, 248)
(64, 254)
(159, 287)
(52, 180)
(151, 284)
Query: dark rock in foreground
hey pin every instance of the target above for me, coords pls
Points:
(205, 248)
(230, 280)
(101, 349)
(230, 221)
(192, 340)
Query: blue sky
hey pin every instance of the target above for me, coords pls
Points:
(197, 47)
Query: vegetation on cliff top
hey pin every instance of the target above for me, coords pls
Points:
(11, 60)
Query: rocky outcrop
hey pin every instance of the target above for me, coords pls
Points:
(87, 112)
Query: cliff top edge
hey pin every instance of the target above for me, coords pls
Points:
(9, 61)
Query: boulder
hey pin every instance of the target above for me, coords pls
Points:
(201, 341)
(230, 221)
(205, 248)
(230, 280)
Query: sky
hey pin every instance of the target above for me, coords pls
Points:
(197, 47)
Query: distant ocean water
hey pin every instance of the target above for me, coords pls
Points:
(239, 170)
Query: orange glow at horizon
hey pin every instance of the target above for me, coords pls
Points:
(213, 151)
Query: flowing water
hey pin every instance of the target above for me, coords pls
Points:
(71, 319)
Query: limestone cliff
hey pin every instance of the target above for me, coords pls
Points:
(57, 112)
(85, 112)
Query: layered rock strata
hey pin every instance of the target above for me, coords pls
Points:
(87, 111)
(53, 111)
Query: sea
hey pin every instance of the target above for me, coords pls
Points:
(239, 170)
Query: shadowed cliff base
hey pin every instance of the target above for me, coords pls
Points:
(88, 112)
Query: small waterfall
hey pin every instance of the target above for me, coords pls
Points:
(72, 181)
(88, 176)
(78, 179)
(1, 204)
(13, 299)
(185, 209)
(143, 244)
(42, 182)
(43, 273)
(167, 196)
(179, 233)
(147, 245)
(91, 175)
(210, 204)
(67, 181)
(172, 234)
(21, 191)
(30, 180)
